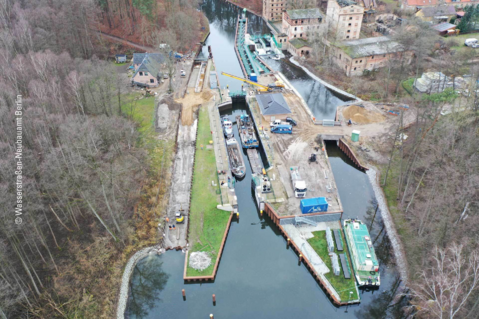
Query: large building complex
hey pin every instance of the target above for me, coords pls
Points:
(299, 23)
(345, 18)
(273, 9)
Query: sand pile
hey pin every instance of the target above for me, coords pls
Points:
(206, 95)
(360, 115)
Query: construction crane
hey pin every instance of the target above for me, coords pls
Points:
(262, 88)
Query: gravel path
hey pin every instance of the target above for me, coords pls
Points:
(398, 250)
(125, 280)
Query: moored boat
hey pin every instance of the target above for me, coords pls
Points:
(227, 126)
(235, 156)
(363, 255)
(246, 131)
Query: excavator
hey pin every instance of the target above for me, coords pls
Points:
(261, 88)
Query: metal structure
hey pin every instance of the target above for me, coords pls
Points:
(299, 219)
(262, 88)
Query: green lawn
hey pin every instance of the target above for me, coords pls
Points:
(207, 223)
(342, 285)
(408, 86)
(142, 111)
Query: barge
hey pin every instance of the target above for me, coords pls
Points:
(363, 255)
(246, 131)
(235, 157)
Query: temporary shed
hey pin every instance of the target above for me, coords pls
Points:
(329, 239)
(273, 104)
(313, 205)
(120, 58)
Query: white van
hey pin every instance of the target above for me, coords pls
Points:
(470, 42)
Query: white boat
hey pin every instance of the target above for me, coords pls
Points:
(227, 127)
(276, 58)
(235, 156)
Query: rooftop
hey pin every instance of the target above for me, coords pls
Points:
(304, 14)
(298, 43)
(150, 62)
(346, 3)
(424, 3)
(370, 46)
(272, 104)
(438, 11)
(441, 27)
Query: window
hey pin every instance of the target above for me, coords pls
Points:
(354, 69)
(301, 21)
(349, 31)
(141, 73)
(146, 73)
(152, 80)
(350, 18)
(295, 35)
(347, 37)
(360, 61)
(295, 29)
(384, 56)
(356, 61)
(300, 35)
(372, 57)
(349, 24)
(340, 56)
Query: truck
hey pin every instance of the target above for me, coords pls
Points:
(313, 205)
(299, 186)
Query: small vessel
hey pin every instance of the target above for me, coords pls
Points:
(363, 256)
(276, 58)
(235, 156)
(246, 131)
(227, 126)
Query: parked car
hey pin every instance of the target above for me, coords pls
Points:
(275, 123)
(165, 76)
(182, 73)
(291, 121)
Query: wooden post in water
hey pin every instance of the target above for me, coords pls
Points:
(183, 293)
(214, 299)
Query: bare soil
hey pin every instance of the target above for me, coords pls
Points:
(190, 103)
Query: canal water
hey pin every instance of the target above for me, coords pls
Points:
(258, 276)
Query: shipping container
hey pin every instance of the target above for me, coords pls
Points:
(313, 205)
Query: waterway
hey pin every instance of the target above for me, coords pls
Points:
(258, 277)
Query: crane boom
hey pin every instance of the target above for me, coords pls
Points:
(264, 87)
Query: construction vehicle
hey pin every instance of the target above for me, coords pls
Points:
(179, 218)
(312, 158)
(261, 88)
(299, 185)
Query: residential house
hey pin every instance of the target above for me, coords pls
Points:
(273, 9)
(345, 17)
(445, 28)
(432, 3)
(147, 69)
(298, 23)
(355, 56)
(273, 105)
(436, 14)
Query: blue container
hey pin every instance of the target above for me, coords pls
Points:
(313, 205)
(253, 77)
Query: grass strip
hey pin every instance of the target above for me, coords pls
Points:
(342, 285)
(207, 223)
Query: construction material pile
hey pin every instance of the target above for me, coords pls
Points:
(199, 260)
(360, 115)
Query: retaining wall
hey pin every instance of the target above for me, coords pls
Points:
(349, 153)
(329, 217)
(319, 278)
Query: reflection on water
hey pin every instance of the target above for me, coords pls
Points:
(147, 283)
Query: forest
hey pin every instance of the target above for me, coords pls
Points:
(78, 178)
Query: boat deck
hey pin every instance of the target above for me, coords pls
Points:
(255, 161)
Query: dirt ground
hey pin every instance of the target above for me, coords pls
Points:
(190, 103)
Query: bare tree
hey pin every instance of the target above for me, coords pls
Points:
(447, 283)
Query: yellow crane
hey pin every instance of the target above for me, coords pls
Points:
(262, 88)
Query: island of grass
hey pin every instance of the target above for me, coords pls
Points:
(342, 285)
(207, 223)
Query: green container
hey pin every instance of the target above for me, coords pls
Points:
(355, 136)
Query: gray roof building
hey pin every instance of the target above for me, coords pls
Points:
(442, 27)
(304, 14)
(346, 3)
(273, 104)
(370, 46)
(438, 11)
(150, 62)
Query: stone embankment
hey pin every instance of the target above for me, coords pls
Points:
(398, 250)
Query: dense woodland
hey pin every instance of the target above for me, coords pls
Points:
(84, 164)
